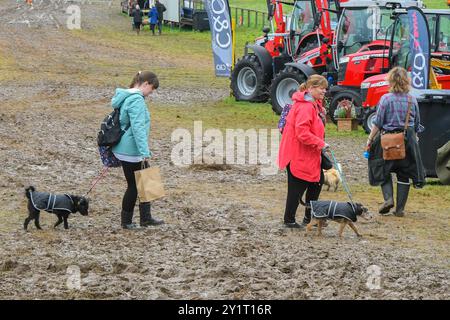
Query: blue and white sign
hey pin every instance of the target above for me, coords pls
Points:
(419, 42)
(222, 37)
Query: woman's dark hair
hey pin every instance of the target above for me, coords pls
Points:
(143, 76)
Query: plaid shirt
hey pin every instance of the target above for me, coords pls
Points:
(392, 109)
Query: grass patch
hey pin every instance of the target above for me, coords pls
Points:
(222, 114)
(232, 114)
(331, 131)
(8, 66)
(436, 4)
(249, 4)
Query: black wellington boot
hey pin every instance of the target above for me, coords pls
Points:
(126, 219)
(388, 195)
(402, 197)
(146, 216)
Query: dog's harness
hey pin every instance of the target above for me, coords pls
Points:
(332, 210)
(50, 202)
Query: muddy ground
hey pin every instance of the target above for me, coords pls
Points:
(223, 237)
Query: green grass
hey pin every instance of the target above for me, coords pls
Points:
(436, 4)
(249, 4)
(231, 114)
(225, 114)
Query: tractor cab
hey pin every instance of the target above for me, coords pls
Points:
(311, 22)
(360, 48)
(364, 26)
(439, 25)
(302, 19)
(293, 47)
(373, 88)
(439, 31)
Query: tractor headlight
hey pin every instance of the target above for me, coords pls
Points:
(344, 60)
(365, 85)
(380, 84)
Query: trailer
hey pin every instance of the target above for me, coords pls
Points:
(434, 106)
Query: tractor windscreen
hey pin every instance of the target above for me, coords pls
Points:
(361, 26)
(400, 47)
(302, 21)
(439, 26)
(444, 33)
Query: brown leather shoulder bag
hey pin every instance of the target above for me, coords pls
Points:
(393, 144)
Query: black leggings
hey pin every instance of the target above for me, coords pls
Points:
(130, 196)
(296, 189)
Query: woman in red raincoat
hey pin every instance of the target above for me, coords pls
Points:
(301, 148)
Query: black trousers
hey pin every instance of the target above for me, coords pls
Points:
(152, 27)
(296, 189)
(130, 196)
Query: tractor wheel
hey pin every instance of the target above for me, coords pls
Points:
(369, 118)
(342, 96)
(247, 80)
(284, 85)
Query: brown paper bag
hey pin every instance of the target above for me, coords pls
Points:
(149, 184)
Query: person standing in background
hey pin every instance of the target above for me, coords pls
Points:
(161, 8)
(153, 18)
(137, 18)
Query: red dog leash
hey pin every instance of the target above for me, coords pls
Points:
(99, 177)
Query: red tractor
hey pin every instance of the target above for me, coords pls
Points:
(360, 48)
(399, 55)
(311, 28)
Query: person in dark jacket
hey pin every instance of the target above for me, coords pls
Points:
(161, 8)
(391, 117)
(137, 18)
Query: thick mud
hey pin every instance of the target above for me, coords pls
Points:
(223, 237)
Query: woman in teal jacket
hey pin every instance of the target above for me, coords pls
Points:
(133, 148)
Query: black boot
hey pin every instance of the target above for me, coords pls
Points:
(146, 216)
(126, 219)
(402, 197)
(388, 195)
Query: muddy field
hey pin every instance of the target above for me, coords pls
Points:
(223, 237)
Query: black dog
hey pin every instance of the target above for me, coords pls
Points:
(61, 205)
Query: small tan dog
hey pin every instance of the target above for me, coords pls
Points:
(331, 179)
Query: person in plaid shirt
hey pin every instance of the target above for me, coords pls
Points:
(391, 116)
(392, 109)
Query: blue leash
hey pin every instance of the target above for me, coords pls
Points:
(344, 181)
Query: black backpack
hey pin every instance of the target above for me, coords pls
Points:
(110, 132)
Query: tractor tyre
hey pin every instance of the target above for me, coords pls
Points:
(341, 96)
(247, 80)
(284, 85)
(369, 118)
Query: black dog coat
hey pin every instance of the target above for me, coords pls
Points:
(332, 210)
(50, 202)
